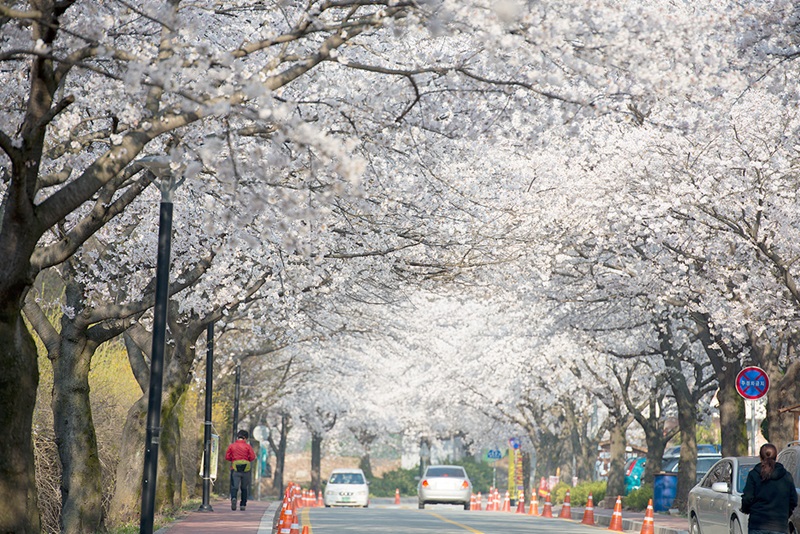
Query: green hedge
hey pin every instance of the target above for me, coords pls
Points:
(579, 495)
(402, 479)
(637, 499)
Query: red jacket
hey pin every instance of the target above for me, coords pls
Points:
(238, 451)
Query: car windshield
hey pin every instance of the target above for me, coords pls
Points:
(346, 478)
(445, 472)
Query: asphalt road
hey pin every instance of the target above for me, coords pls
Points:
(440, 519)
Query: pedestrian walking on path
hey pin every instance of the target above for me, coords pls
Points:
(769, 495)
(240, 454)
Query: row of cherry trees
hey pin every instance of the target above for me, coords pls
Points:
(648, 257)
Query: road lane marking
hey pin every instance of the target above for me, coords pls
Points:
(465, 527)
(305, 519)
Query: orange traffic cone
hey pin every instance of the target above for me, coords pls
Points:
(320, 500)
(472, 501)
(305, 530)
(496, 501)
(616, 516)
(507, 503)
(534, 507)
(286, 520)
(294, 519)
(521, 503)
(588, 512)
(566, 509)
(547, 510)
(648, 527)
(479, 502)
(397, 496)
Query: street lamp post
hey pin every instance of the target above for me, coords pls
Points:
(206, 507)
(158, 165)
(236, 400)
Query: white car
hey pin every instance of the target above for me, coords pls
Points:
(347, 487)
(444, 484)
(715, 502)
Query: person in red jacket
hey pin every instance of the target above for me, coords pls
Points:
(240, 454)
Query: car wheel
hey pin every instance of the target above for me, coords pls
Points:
(736, 527)
(421, 505)
(466, 506)
(694, 527)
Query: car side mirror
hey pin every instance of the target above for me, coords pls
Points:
(720, 487)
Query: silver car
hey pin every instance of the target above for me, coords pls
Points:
(347, 487)
(444, 484)
(715, 502)
(790, 459)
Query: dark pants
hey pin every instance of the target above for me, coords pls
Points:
(240, 480)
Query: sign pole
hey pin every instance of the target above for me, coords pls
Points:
(753, 427)
(752, 383)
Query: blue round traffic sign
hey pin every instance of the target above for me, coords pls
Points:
(752, 383)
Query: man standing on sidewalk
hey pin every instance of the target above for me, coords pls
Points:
(240, 454)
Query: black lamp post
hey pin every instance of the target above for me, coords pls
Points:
(206, 507)
(159, 165)
(236, 400)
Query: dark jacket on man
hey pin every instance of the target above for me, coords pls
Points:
(769, 502)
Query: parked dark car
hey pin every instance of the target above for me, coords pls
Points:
(704, 463)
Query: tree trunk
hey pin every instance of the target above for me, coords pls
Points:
(365, 465)
(280, 454)
(316, 462)
(732, 419)
(127, 499)
(687, 473)
(616, 470)
(126, 502)
(81, 480)
(656, 444)
(784, 388)
(584, 448)
(725, 361)
(547, 454)
(784, 392)
(19, 511)
(169, 488)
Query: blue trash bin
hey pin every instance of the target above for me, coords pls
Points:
(665, 487)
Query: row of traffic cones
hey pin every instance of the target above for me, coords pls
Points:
(648, 526)
(295, 498)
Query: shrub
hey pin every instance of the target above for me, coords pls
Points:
(638, 498)
(402, 479)
(579, 495)
(559, 491)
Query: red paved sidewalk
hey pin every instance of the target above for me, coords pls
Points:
(223, 519)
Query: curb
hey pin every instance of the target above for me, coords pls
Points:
(633, 525)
